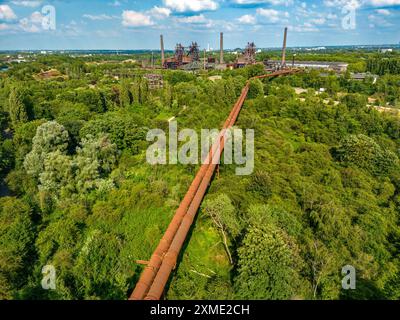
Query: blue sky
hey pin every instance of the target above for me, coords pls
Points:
(136, 24)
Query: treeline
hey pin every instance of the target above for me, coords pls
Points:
(383, 65)
(80, 195)
(386, 90)
(324, 194)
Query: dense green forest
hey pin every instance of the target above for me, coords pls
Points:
(77, 192)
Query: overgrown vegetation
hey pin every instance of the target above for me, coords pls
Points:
(80, 195)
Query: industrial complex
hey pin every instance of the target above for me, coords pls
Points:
(191, 58)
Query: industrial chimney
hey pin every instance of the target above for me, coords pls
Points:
(221, 46)
(284, 49)
(162, 51)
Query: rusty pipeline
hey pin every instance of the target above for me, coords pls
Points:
(152, 267)
(156, 274)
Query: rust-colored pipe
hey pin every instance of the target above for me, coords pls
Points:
(171, 257)
(151, 277)
(151, 269)
(147, 277)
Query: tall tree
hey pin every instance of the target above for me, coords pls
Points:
(50, 137)
(17, 109)
(16, 236)
(267, 265)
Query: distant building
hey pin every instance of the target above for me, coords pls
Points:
(221, 66)
(386, 50)
(319, 65)
(215, 78)
(155, 81)
(363, 76)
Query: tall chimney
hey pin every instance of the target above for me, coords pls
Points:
(284, 49)
(162, 51)
(221, 46)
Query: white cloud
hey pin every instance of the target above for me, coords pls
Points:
(304, 28)
(272, 15)
(384, 3)
(191, 5)
(116, 3)
(33, 23)
(318, 21)
(4, 26)
(358, 3)
(160, 12)
(247, 19)
(378, 21)
(132, 18)
(383, 12)
(98, 17)
(36, 17)
(27, 3)
(6, 13)
(355, 4)
(200, 19)
(272, 2)
(28, 27)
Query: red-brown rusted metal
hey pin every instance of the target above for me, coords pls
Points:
(152, 282)
(152, 267)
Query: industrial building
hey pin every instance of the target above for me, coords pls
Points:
(189, 58)
(319, 65)
(248, 56)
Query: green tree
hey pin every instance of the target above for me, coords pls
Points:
(16, 236)
(50, 137)
(363, 152)
(222, 213)
(57, 175)
(95, 159)
(256, 89)
(268, 265)
(6, 156)
(17, 109)
(125, 95)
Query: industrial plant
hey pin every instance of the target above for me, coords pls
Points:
(191, 58)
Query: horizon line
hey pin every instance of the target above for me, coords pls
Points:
(214, 50)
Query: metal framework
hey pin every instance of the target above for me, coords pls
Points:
(194, 52)
(179, 53)
(155, 81)
(250, 52)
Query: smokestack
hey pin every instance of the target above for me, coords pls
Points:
(284, 48)
(204, 66)
(221, 45)
(162, 51)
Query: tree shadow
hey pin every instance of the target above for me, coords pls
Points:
(365, 290)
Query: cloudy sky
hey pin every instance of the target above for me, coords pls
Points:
(137, 24)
